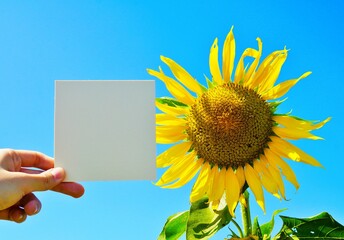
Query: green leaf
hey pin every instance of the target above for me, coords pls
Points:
(204, 222)
(267, 228)
(175, 226)
(170, 102)
(321, 226)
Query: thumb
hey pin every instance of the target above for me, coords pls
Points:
(43, 181)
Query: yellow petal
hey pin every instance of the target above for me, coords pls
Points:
(183, 76)
(294, 134)
(266, 179)
(240, 70)
(177, 90)
(169, 134)
(170, 130)
(169, 139)
(209, 190)
(239, 173)
(166, 119)
(188, 173)
(253, 182)
(214, 63)
(264, 69)
(288, 150)
(200, 187)
(274, 172)
(228, 55)
(233, 190)
(319, 125)
(252, 69)
(175, 111)
(272, 73)
(294, 123)
(176, 170)
(218, 187)
(274, 159)
(282, 88)
(172, 154)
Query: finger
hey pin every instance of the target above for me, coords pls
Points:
(31, 171)
(14, 213)
(35, 159)
(39, 182)
(4, 214)
(31, 204)
(17, 214)
(9, 160)
(72, 189)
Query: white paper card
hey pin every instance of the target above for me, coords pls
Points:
(105, 130)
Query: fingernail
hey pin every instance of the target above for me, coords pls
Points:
(20, 217)
(58, 173)
(37, 209)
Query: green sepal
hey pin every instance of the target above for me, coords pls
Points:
(233, 234)
(266, 228)
(204, 222)
(210, 83)
(204, 89)
(321, 226)
(170, 102)
(175, 226)
(256, 231)
(274, 105)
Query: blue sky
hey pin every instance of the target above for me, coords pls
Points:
(42, 41)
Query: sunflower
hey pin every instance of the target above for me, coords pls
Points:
(228, 132)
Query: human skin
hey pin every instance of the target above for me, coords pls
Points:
(24, 172)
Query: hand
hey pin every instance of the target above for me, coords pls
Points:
(23, 172)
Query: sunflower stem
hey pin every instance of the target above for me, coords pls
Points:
(246, 214)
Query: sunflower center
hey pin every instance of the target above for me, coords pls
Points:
(229, 125)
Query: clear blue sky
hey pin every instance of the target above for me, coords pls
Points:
(42, 41)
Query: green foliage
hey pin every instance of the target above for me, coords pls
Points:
(266, 228)
(264, 231)
(321, 226)
(175, 226)
(204, 222)
(256, 231)
(170, 102)
(200, 222)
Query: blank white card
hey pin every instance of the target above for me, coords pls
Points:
(105, 130)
